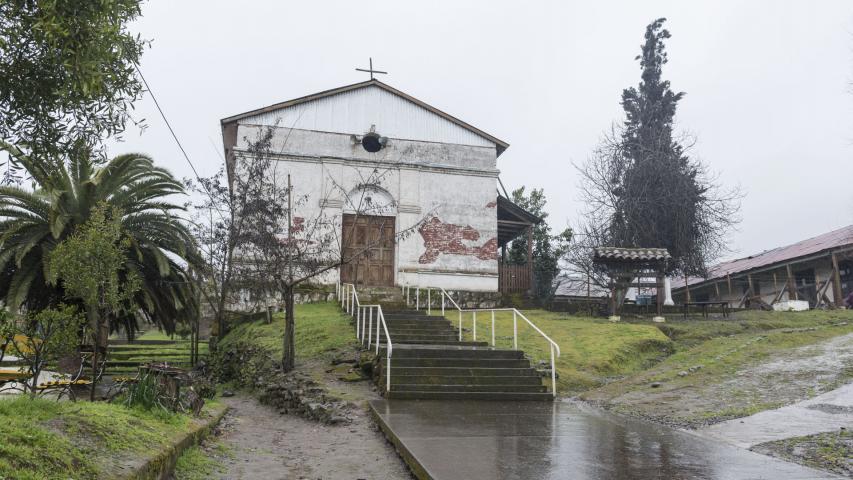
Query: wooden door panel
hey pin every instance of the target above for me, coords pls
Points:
(369, 244)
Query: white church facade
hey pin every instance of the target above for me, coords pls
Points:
(430, 179)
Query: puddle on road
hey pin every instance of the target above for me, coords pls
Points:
(564, 440)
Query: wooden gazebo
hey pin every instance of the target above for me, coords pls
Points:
(627, 267)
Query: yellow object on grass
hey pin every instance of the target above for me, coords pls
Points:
(7, 374)
(62, 383)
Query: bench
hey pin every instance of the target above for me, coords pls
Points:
(13, 376)
(705, 306)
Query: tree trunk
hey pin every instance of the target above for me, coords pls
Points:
(220, 316)
(100, 343)
(288, 359)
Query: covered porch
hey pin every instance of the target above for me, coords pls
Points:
(514, 222)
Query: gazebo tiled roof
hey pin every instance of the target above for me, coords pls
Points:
(638, 254)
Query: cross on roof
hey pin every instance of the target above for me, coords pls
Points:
(371, 70)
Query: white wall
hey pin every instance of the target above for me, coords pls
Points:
(451, 187)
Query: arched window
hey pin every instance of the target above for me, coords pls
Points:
(370, 200)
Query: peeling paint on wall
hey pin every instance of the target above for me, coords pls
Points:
(492, 204)
(440, 237)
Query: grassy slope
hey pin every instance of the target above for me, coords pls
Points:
(44, 439)
(728, 384)
(592, 350)
(617, 362)
(320, 327)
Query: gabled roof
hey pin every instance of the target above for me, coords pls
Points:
(821, 243)
(501, 145)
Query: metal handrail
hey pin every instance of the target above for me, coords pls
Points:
(348, 296)
(515, 314)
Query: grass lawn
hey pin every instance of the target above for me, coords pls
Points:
(592, 350)
(320, 327)
(45, 439)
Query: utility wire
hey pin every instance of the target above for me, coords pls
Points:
(175, 136)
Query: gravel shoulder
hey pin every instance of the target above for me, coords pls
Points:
(832, 451)
(261, 443)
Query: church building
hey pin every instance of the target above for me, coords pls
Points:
(438, 182)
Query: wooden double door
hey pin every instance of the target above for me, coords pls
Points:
(368, 244)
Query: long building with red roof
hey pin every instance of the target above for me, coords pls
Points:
(818, 270)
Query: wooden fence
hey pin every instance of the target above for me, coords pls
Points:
(514, 278)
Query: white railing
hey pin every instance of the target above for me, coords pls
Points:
(444, 297)
(348, 297)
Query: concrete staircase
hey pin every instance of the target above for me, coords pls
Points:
(429, 362)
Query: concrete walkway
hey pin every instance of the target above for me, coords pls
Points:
(824, 413)
(446, 440)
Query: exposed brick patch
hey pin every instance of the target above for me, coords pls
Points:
(440, 237)
(492, 204)
(489, 250)
(298, 226)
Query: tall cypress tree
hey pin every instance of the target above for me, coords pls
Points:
(658, 194)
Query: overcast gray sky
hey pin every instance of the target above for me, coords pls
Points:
(768, 85)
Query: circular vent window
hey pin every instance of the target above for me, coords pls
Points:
(371, 142)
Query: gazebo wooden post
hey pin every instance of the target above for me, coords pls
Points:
(612, 297)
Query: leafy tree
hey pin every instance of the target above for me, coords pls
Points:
(91, 266)
(642, 187)
(33, 222)
(547, 248)
(43, 337)
(67, 73)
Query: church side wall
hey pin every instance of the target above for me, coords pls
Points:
(455, 246)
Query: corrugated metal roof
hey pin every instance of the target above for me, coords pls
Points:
(574, 286)
(834, 239)
(631, 253)
(354, 108)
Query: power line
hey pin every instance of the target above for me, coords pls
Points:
(175, 136)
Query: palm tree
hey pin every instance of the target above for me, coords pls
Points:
(33, 222)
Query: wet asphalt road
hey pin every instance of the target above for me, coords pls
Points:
(563, 440)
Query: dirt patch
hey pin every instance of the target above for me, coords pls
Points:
(264, 444)
(831, 451)
(733, 383)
